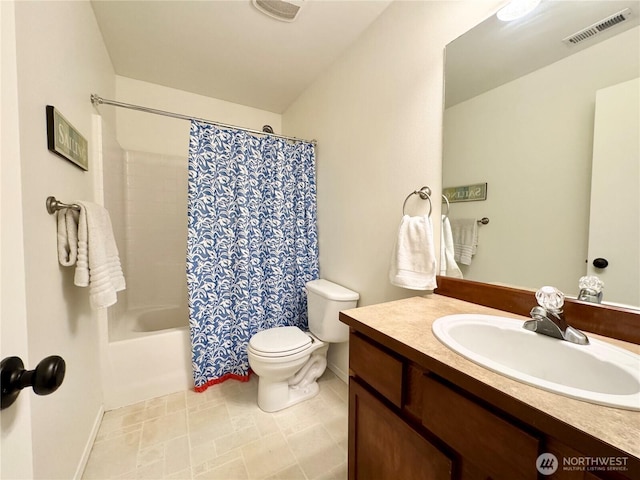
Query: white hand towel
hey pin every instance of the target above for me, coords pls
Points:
(465, 239)
(413, 262)
(448, 265)
(98, 265)
(67, 236)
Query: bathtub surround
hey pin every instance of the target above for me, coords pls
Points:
(154, 223)
(251, 243)
(147, 196)
(148, 356)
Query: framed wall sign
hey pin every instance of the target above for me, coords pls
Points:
(64, 140)
(466, 193)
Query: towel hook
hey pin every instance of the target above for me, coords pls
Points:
(424, 194)
(446, 200)
(53, 205)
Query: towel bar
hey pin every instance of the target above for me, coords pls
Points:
(53, 205)
(424, 193)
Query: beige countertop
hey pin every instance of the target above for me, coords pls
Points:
(409, 322)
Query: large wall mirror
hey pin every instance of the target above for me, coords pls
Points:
(552, 126)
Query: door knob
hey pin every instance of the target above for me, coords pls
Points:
(45, 379)
(600, 263)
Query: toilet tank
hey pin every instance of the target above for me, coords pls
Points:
(324, 301)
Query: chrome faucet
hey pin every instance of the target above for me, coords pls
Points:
(548, 318)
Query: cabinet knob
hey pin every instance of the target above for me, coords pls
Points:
(44, 379)
(600, 263)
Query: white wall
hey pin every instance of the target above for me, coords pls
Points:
(377, 116)
(169, 136)
(61, 59)
(531, 140)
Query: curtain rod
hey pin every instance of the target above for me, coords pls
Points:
(98, 100)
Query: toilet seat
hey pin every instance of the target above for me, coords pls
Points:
(279, 342)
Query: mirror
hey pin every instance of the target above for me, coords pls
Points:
(520, 114)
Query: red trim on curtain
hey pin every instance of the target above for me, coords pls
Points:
(224, 378)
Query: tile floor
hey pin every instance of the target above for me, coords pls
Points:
(222, 434)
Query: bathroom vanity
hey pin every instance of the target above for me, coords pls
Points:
(418, 410)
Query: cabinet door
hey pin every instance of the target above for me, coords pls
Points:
(382, 446)
(482, 438)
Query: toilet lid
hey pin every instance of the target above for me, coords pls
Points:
(279, 340)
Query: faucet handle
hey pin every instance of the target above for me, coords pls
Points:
(550, 298)
(591, 282)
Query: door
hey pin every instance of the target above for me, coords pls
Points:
(614, 226)
(16, 461)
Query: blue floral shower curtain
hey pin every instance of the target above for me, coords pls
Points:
(252, 243)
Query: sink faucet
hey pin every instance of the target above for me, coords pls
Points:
(548, 318)
(590, 289)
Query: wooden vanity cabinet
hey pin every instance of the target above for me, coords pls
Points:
(385, 446)
(405, 422)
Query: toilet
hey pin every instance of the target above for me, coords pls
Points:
(288, 360)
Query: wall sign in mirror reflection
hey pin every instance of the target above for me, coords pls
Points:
(466, 193)
(553, 126)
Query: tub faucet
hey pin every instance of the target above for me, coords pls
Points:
(548, 318)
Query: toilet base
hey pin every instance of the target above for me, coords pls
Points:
(278, 395)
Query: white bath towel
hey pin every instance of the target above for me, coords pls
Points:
(98, 265)
(448, 265)
(67, 236)
(465, 239)
(413, 262)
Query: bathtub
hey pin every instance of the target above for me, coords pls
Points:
(158, 319)
(148, 355)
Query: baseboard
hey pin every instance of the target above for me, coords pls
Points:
(344, 376)
(89, 445)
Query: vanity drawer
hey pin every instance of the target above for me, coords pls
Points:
(375, 366)
(486, 440)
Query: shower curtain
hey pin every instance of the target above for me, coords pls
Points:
(252, 243)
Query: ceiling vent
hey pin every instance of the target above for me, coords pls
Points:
(287, 11)
(598, 27)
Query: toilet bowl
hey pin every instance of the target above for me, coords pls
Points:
(289, 376)
(287, 360)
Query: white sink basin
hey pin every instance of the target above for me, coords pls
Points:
(598, 373)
